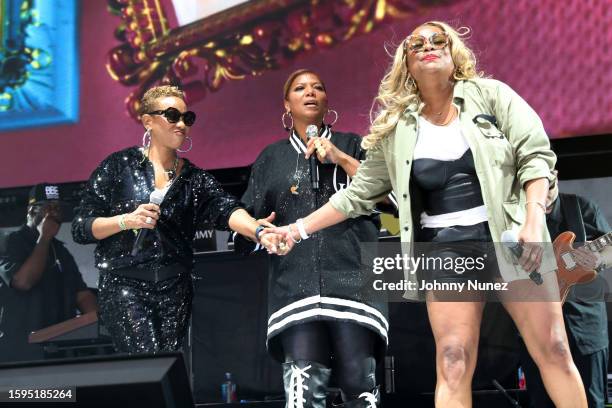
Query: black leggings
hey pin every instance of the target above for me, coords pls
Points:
(351, 345)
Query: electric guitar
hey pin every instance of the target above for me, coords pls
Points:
(569, 272)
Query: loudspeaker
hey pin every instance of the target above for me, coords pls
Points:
(229, 324)
(158, 381)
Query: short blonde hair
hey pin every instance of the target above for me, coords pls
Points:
(398, 89)
(147, 103)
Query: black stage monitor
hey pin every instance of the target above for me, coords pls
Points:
(111, 381)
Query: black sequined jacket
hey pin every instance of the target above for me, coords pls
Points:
(122, 182)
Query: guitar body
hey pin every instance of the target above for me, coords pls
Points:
(569, 273)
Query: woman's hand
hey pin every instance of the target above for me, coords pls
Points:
(288, 237)
(530, 238)
(273, 242)
(145, 216)
(332, 153)
(267, 222)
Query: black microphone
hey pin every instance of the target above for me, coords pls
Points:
(156, 197)
(509, 239)
(313, 131)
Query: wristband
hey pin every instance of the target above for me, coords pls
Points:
(258, 231)
(300, 226)
(122, 225)
(291, 235)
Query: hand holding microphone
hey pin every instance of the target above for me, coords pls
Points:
(528, 254)
(147, 214)
(312, 132)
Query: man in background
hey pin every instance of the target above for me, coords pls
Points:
(584, 311)
(40, 283)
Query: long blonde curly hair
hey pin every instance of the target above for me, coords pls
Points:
(398, 88)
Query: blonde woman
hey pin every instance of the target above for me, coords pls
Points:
(471, 159)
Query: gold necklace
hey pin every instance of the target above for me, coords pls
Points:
(171, 173)
(450, 100)
(448, 118)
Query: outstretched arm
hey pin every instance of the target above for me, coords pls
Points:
(322, 218)
(242, 222)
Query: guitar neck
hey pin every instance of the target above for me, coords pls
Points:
(600, 243)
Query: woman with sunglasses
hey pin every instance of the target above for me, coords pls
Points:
(469, 159)
(323, 314)
(142, 206)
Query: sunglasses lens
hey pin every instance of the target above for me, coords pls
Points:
(416, 44)
(189, 118)
(439, 40)
(173, 115)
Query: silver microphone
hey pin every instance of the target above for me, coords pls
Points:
(157, 196)
(313, 131)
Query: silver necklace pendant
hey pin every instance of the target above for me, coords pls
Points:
(172, 172)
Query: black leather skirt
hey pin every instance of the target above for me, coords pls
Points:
(457, 253)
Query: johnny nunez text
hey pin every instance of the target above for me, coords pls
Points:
(403, 285)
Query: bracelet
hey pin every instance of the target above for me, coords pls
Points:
(300, 226)
(291, 235)
(258, 231)
(122, 225)
(542, 206)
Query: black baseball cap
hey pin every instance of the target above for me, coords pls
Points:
(44, 192)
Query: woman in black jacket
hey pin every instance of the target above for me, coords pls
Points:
(319, 304)
(141, 206)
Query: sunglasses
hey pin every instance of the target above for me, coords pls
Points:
(416, 43)
(173, 115)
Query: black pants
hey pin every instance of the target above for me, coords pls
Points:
(593, 369)
(347, 348)
(143, 316)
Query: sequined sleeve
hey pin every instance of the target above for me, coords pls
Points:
(95, 202)
(213, 204)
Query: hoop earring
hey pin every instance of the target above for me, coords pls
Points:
(287, 128)
(146, 139)
(190, 145)
(410, 84)
(335, 119)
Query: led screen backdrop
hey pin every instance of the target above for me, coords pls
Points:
(553, 53)
(38, 63)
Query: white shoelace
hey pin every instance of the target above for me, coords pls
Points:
(370, 398)
(297, 386)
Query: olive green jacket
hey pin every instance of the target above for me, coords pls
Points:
(506, 156)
